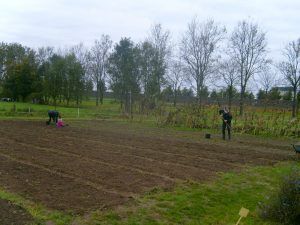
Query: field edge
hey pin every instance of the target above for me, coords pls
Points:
(211, 202)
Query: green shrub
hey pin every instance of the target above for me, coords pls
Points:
(284, 207)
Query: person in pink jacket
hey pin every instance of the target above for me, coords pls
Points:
(60, 122)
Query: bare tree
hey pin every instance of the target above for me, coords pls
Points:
(98, 59)
(229, 75)
(160, 40)
(247, 47)
(267, 79)
(44, 54)
(197, 49)
(176, 77)
(290, 68)
(43, 57)
(81, 54)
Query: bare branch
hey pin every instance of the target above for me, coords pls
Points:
(98, 59)
(290, 69)
(198, 47)
(247, 47)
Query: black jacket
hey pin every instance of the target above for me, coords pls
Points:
(53, 113)
(227, 116)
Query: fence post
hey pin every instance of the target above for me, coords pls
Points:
(78, 112)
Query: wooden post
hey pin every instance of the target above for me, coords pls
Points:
(239, 220)
(78, 112)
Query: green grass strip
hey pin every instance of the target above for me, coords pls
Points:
(213, 203)
(39, 213)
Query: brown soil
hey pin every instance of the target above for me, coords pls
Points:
(11, 214)
(102, 164)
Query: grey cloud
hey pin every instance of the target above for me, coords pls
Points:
(66, 22)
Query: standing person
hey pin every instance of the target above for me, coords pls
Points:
(226, 118)
(53, 115)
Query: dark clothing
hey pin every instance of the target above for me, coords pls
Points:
(226, 117)
(228, 126)
(53, 115)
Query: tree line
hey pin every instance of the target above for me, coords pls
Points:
(206, 59)
(42, 76)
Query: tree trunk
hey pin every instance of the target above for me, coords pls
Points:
(121, 104)
(97, 94)
(127, 107)
(175, 98)
(55, 103)
(101, 98)
(298, 103)
(101, 93)
(77, 101)
(199, 92)
(199, 99)
(229, 98)
(242, 102)
(294, 106)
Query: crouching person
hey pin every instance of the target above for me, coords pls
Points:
(60, 122)
(53, 115)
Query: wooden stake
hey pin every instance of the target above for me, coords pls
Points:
(239, 220)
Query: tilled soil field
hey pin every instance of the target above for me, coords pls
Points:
(100, 165)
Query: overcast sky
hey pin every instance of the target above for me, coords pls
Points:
(61, 23)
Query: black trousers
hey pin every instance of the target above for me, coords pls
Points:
(228, 126)
(52, 117)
